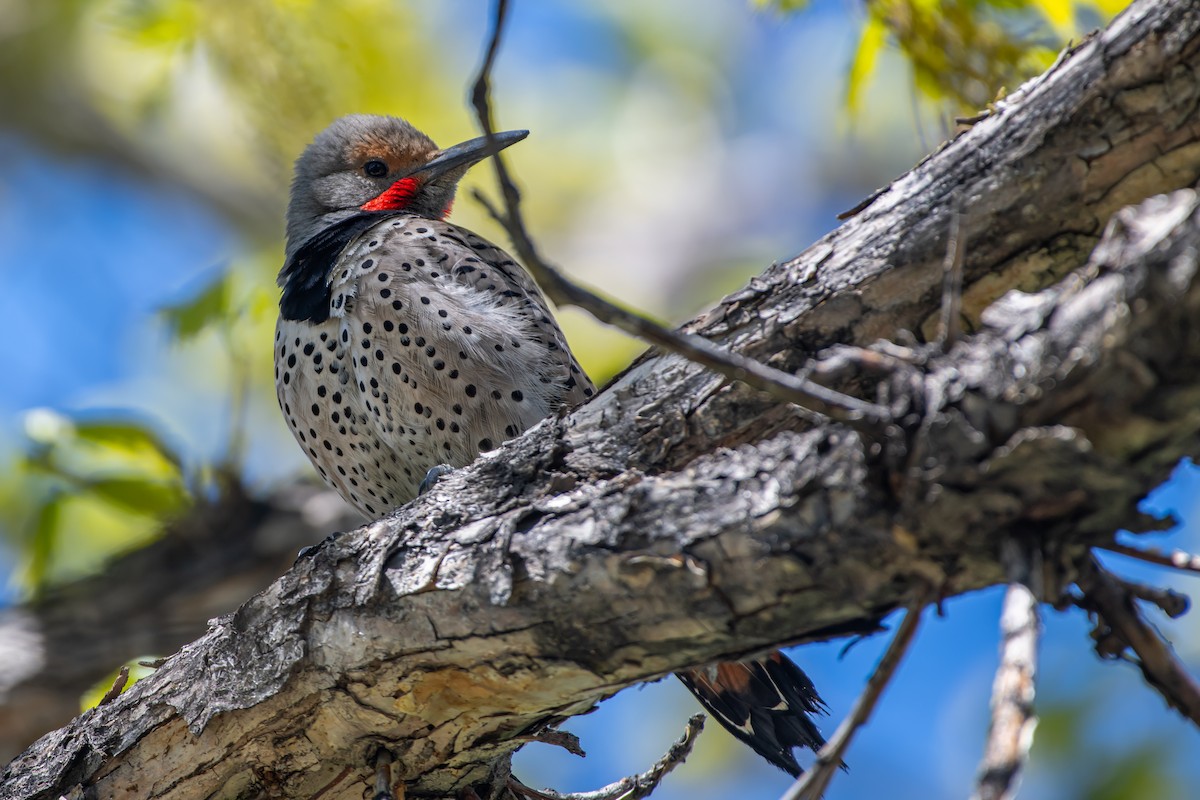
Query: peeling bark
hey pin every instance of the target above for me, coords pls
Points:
(676, 520)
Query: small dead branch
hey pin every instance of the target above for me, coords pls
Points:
(1171, 602)
(1175, 559)
(782, 385)
(567, 741)
(974, 119)
(634, 787)
(1010, 734)
(812, 784)
(1120, 625)
(117, 687)
(950, 323)
(949, 332)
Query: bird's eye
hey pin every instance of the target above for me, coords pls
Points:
(375, 168)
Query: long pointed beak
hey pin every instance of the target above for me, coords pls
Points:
(461, 156)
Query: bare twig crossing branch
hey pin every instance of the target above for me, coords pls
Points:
(635, 787)
(812, 784)
(1120, 625)
(781, 385)
(1175, 559)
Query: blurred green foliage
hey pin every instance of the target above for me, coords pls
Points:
(219, 96)
(965, 52)
(1074, 738)
(282, 69)
(84, 485)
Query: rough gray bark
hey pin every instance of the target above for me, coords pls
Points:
(543, 578)
(627, 540)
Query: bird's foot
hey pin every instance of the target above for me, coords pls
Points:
(432, 477)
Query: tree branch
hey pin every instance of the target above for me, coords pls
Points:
(625, 541)
(1010, 734)
(525, 588)
(1120, 625)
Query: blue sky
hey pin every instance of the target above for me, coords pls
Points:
(91, 253)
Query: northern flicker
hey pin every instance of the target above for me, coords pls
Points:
(405, 342)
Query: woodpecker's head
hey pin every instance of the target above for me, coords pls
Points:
(371, 163)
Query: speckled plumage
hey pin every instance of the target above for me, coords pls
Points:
(437, 346)
(405, 342)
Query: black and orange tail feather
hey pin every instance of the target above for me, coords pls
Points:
(766, 703)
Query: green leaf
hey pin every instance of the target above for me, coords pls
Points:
(187, 319)
(141, 496)
(167, 22)
(870, 43)
(132, 438)
(44, 540)
(1060, 14)
(783, 6)
(1106, 8)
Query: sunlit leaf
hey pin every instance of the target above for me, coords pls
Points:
(185, 320)
(45, 426)
(963, 51)
(159, 22)
(141, 496)
(784, 6)
(1060, 14)
(44, 540)
(95, 486)
(131, 438)
(866, 55)
(1106, 8)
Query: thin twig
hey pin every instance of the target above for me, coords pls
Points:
(1172, 603)
(634, 787)
(564, 739)
(1120, 625)
(117, 687)
(1010, 734)
(950, 325)
(974, 119)
(782, 385)
(863, 204)
(812, 784)
(1176, 559)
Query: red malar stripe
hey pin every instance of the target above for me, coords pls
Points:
(396, 198)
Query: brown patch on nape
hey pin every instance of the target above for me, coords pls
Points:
(401, 151)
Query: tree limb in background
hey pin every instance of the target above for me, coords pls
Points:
(152, 600)
(1175, 559)
(1120, 625)
(1010, 734)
